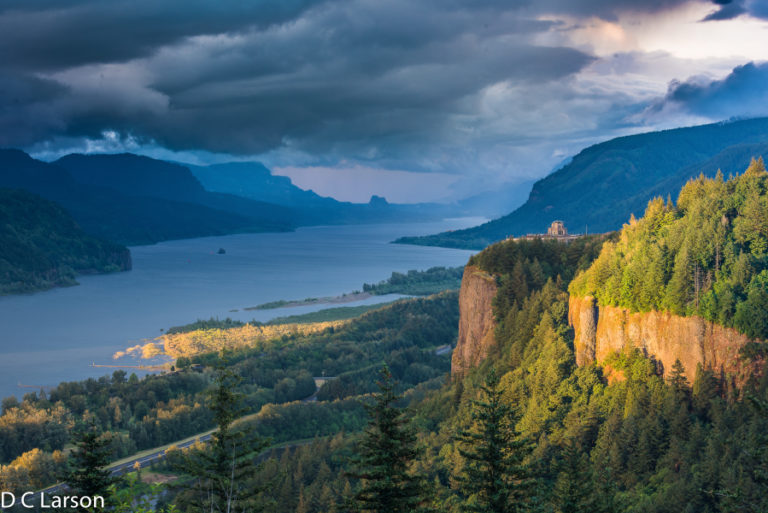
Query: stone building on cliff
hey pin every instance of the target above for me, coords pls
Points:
(556, 231)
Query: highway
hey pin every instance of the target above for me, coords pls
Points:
(123, 468)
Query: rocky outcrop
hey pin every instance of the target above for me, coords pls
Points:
(602, 330)
(476, 321)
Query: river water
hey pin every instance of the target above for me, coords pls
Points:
(54, 336)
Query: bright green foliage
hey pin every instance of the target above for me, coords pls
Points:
(602, 185)
(641, 444)
(87, 474)
(707, 255)
(496, 477)
(222, 472)
(750, 314)
(135, 496)
(385, 457)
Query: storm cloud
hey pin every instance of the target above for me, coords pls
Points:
(430, 85)
(729, 9)
(250, 79)
(743, 93)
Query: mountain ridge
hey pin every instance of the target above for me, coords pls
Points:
(606, 182)
(41, 246)
(106, 213)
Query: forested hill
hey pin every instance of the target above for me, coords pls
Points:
(121, 211)
(707, 255)
(139, 176)
(605, 183)
(41, 246)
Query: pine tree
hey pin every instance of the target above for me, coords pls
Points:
(87, 474)
(303, 506)
(574, 491)
(496, 478)
(679, 383)
(327, 500)
(385, 455)
(223, 471)
(677, 377)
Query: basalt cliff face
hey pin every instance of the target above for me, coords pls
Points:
(476, 321)
(602, 330)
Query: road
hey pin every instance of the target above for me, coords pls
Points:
(145, 460)
(123, 468)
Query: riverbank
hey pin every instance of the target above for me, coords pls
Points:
(332, 300)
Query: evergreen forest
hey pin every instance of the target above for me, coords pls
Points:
(391, 429)
(705, 255)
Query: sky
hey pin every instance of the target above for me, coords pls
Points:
(417, 100)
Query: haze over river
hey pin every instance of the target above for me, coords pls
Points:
(53, 336)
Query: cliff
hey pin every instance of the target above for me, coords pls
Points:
(602, 330)
(476, 321)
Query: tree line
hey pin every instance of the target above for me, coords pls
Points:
(705, 255)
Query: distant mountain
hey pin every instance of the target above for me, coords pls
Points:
(41, 246)
(255, 181)
(605, 183)
(120, 208)
(139, 176)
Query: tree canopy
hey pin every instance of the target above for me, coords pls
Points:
(705, 255)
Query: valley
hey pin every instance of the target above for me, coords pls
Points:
(596, 357)
(54, 336)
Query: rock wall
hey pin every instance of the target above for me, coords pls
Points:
(476, 322)
(602, 330)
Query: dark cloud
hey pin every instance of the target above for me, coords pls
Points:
(743, 93)
(56, 34)
(59, 34)
(606, 9)
(382, 104)
(729, 9)
(26, 112)
(366, 80)
(354, 78)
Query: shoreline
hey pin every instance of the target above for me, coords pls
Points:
(328, 300)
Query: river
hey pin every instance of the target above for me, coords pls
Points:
(54, 336)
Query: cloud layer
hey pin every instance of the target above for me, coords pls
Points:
(458, 86)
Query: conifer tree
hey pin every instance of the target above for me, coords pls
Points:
(385, 455)
(496, 478)
(223, 472)
(677, 377)
(87, 474)
(303, 506)
(574, 491)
